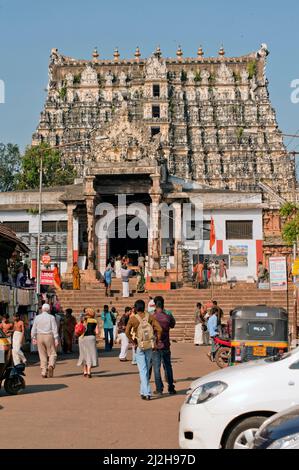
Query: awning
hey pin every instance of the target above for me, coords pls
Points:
(9, 235)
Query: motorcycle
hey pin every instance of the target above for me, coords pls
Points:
(13, 379)
(223, 352)
(11, 375)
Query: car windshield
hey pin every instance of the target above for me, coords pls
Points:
(281, 357)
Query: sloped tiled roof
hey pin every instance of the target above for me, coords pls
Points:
(9, 235)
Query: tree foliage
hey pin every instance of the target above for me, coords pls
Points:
(10, 161)
(290, 230)
(55, 171)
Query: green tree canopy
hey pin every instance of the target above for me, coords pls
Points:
(290, 229)
(55, 171)
(10, 161)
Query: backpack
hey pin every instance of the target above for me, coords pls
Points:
(145, 333)
(113, 319)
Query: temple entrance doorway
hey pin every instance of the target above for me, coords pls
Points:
(124, 238)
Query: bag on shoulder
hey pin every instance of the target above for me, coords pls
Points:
(145, 333)
(79, 329)
(113, 319)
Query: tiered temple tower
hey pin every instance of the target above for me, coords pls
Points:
(214, 116)
(151, 126)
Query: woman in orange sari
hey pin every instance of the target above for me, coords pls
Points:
(56, 277)
(76, 277)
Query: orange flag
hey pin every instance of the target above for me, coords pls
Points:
(212, 234)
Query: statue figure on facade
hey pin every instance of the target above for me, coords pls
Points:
(253, 88)
(155, 68)
(263, 51)
(123, 79)
(224, 75)
(108, 78)
(205, 75)
(55, 57)
(89, 76)
(69, 78)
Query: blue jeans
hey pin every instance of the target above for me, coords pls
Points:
(133, 355)
(144, 361)
(163, 356)
(108, 342)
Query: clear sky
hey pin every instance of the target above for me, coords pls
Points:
(30, 28)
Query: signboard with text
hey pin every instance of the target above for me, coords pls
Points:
(238, 255)
(47, 278)
(278, 273)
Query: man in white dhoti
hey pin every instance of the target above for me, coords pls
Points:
(125, 275)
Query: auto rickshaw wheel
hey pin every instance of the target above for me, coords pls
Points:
(222, 357)
(13, 385)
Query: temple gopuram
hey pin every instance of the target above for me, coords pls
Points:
(167, 130)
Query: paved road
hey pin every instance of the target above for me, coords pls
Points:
(70, 411)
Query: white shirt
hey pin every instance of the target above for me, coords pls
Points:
(151, 307)
(44, 324)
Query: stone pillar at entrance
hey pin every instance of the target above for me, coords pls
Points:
(90, 273)
(90, 232)
(154, 233)
(70, 236)
(178, 239)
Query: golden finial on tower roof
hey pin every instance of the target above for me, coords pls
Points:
(200, 52)
(137, 53)
(179, 52)
(221, 51)
(116, 54)
(95, 54)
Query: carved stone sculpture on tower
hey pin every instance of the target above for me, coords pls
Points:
(155, 68)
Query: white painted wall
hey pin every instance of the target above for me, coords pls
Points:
(24, 216)
(220, 217)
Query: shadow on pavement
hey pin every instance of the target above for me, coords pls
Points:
(117, 374)
(77, 374)
(166, 395)
(42, 388)
(113, 353)
(188, 379)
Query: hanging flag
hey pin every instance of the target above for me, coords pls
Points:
(212, 234)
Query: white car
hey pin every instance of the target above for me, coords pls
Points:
(224, 409)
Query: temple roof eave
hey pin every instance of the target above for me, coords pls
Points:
(71, 61)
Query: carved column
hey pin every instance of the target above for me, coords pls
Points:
(155, 232)
(70, 236)
(90, 232)
(90, 209)
(177, 228)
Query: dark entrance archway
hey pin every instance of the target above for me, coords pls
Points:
(121, 243)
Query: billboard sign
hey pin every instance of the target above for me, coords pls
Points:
(278, 273)
(47, 278)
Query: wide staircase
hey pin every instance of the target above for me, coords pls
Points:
(182, 302)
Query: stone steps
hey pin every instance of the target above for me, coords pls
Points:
(181, 302)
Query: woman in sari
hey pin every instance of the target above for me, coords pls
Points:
(223, 271)
(76, 277)
(69, 325)
(140, 281)
(56, 277)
